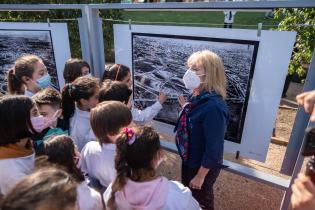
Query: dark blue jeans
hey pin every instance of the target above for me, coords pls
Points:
(205, 195)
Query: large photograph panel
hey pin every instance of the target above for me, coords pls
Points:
(159, 63)
(15, 43)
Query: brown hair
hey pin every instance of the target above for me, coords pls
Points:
(116, 72)
(73, 69)
(47, 188)
(60, 150)
(114, 90)
(82, 88)
(134, 161)
(214, 70)
(23, 66)
(48, 96)
(107, 118)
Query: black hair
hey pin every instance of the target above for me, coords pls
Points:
(60, 150)
(116, 72)
(73, 69)
(15, 120)
(115, 91)
(82, 88)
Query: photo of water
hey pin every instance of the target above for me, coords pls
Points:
(15, 43)
(159, 63)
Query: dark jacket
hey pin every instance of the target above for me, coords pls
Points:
(207, 123)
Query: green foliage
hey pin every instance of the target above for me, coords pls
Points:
(67, 16)
(293, 20)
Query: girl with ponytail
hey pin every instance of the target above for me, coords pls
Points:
(28, 76)
(137, 185)
(78, 98)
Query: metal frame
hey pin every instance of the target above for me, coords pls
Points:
(92, 45)
(301, 122)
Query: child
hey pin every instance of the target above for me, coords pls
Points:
(48, 189)
(28, 76)
(19, 122)
(97, 158)
(75, 68)
(61, 150)
(48, 102)
(116, 91)
(78, 98)
(119, 72)
(136, 185)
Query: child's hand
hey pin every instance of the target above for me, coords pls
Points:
(182, 100)
(162, 97)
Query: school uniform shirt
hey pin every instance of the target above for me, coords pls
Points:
(80, 128)
(28, 93)
(98, 161)
(146, 115)
(159, 193)
(88, 198)
(13, 170)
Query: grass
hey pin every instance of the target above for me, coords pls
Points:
(196, 18)
(205, 18)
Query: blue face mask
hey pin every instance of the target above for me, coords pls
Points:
(44, 81)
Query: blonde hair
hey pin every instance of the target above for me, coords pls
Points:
(214, 70)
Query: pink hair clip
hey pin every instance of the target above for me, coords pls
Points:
(131, 136)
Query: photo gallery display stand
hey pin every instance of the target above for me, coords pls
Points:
(31, 37)
(266, 61)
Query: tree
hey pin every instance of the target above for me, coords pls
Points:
(68, 16)
(302, 21)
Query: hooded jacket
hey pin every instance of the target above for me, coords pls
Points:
(157, 194)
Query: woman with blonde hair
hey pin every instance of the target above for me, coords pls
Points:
(202, 124)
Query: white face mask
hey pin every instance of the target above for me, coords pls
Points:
(191, 79)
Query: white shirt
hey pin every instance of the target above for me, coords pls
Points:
(88, 198)
(13, 170)
(28, 93)
(80, 128)
(98, 161)
(179, 197)
(147, 114)
(229, 16)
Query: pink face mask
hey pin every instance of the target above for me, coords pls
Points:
(39, 123)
